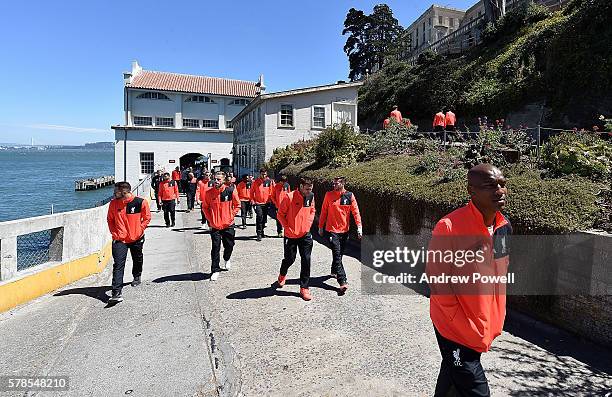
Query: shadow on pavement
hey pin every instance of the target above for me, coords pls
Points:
(98, 293)
(182, 229)
(198, 276)
(273, 290)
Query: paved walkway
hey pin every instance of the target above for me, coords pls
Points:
(179, 334)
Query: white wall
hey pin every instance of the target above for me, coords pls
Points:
(276, 136)
(166, 146)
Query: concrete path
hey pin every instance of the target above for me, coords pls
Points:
(179, 334)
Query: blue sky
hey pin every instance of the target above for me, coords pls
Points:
(62, 61)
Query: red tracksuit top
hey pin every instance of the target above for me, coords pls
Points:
(128, 218)
(296, 214)
(176, 175)
(336, 211)
(261, 190)
(167, 190)
(449, 119)
(439, 120)
(244, 190)
(203, 186)
(472, 320)
(279, 192)
(220, 206)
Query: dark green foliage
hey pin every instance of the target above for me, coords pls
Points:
(339, 146)
(371, 39)
(529, 55)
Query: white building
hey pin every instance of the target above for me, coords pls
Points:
(173, 119)
(279, 119)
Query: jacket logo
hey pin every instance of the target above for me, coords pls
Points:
(345, 201)
(132, 210)
(457, 358)
(307, 203)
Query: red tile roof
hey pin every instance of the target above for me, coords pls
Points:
(196, 84)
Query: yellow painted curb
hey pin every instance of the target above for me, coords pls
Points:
(31, 287)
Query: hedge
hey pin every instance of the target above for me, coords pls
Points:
(535, 205)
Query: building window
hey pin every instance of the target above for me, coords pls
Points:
(240, 102)
(259, 117)
(228, 124)
(164, 121)
(210, 124)
(318, 116)
(451, 22)
(147, 163)
(143, 120)
(429, 21)
(199, 98)
(193, 123)
(286, 115)
(153, 95)
(440, 20)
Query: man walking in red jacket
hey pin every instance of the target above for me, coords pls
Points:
(221, 204)
(261, 195)
(128, 217)
(279, 192)
(338, 205)
(468, 317)
(168, 195)
(296, 214)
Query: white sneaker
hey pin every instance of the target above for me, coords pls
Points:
(214, 276)
(228, 264)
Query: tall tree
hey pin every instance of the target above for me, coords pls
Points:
(371, 39)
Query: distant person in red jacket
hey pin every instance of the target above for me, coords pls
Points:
(221, 205)
(396, 114)
(468, 317)
(176, 176)
(261, 196)
(204, 184)
(281, 188)
(244, 194)
(296, 214)
(334, 222)
(449, 120)
(386, 123)
(128, 217)
(168, 195)
(439, 121)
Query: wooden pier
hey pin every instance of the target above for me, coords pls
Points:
(94, 183)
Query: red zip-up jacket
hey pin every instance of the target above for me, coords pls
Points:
(203, 186)
(128, 218)
(244, 190)
(220, 206)
(449, 119)
(336, 211)
(176, 175)
(167, 190)
(439, 119)
(261, 190)
(296, 214)
(279, 192)
(470, 319)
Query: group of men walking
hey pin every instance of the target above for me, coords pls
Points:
(465, 324)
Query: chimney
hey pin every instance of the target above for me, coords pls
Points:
(129, 76)
(260, 83)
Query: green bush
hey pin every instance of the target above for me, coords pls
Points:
(339, 146)
(579, 153)
(291, 154)
(395, 138)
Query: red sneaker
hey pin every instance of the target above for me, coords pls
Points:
(343, 288)
(281, 280)
(305, 293)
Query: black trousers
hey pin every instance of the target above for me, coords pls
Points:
(190, 199)
(120, 250)
(157, 200)
(169, 207)
(338, 245)
(273, 212)
(461, 372)
(221, 236)
(291, 246)
(203, 217)
(450, 128)
(245, 208)
(261, 218)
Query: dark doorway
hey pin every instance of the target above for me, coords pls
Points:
(189, 160)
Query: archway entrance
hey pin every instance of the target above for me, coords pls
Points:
(189, 160)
